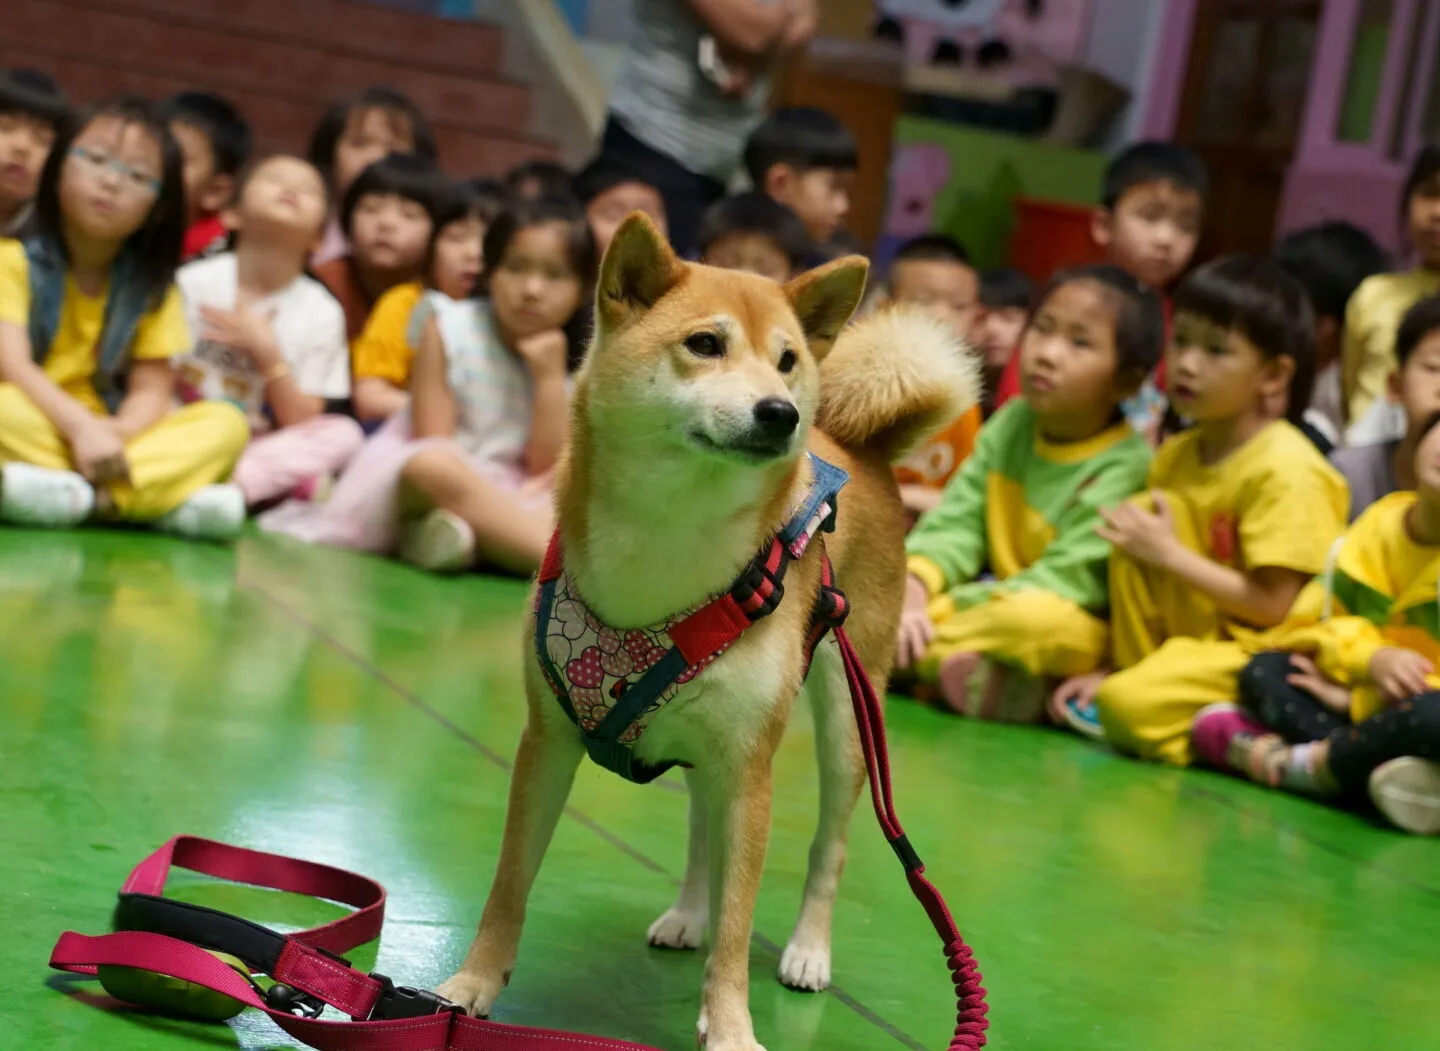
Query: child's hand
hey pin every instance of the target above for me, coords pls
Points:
(544, 353)
(247, 331)
(1306, 676)
(1399, 673)
(99, 452)
(916, 631)
(1143, 535)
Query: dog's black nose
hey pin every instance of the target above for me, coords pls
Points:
(776, 418)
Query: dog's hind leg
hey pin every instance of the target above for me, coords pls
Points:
(683, 924)
(805, 964)
(550, 750)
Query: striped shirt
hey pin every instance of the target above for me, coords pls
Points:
(665, 101)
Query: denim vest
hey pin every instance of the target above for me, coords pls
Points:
(124, 307)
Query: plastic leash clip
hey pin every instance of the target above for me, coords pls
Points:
(404, 1001)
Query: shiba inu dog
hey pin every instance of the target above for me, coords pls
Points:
(691, 421)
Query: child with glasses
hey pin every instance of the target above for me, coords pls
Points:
(89, 322)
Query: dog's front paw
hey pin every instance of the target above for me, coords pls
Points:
(678, 929)
(474, 993)
(805, 967)
(703, 1042)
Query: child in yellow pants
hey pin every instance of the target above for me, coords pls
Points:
(1242, 513)
(89, 320)
(1026, 504)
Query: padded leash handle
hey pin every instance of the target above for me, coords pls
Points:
(971, 1021)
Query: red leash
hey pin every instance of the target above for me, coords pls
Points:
(309, 972)
(970, 1022)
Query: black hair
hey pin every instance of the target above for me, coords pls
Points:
(1418, 322)
(1149, 162)
(1258, 298)
(30, 93)
(1331, 260)
(1006, 289)
(804, 137)
(489, 198)
(156, 246)
(218, 121)
(580, 249)
(759, 214)
(482, 199)
(462, 198)
(1424, 169)
(1139, 316)
(403, 175)
(331, 128)
(604, 173)
(555, 181)
(933, 248)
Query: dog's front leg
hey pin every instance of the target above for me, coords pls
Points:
(738, 809)
(545, 764)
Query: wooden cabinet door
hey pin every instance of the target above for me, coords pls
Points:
(1242, 110)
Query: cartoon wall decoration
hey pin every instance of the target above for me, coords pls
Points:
(1022, 43)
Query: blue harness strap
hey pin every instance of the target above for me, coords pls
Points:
(124, 308)
(697, 639)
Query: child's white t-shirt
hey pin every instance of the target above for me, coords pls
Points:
(309, 328)
(490, 384)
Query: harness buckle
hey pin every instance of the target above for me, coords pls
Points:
(403, 1001)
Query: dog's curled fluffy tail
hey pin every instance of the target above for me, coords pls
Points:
(894, 379)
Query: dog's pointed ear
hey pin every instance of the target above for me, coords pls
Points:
(639, 267)
(824, 299)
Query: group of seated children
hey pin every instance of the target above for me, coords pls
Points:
(1204, 602)
(1194, 601)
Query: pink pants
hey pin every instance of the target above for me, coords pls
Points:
(363, 512)
(274, 464)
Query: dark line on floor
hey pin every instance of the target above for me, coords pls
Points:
(409, 697)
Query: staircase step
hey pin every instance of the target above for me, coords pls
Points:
(352, 26)
(281, 115)
(205, 57)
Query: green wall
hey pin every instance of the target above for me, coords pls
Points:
(988, 170)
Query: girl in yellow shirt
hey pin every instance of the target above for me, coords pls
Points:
(89, 320)
(383, 354)
(1347, 703)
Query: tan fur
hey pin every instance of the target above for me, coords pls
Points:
(655, 518)
(893, 379)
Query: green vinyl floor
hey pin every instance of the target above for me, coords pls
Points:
(355, 712)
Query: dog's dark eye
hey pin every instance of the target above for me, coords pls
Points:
(787, 361)
(705, 345)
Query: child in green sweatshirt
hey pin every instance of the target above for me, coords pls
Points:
(1024, 507)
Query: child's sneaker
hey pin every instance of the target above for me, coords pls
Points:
(1083, 718)
(40, 496)
(1214, 731)
(440, 542)
(1407, 792)
(216, 512)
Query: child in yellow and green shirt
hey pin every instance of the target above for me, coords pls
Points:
(1026, 504)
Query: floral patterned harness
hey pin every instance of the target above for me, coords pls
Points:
(612, 682)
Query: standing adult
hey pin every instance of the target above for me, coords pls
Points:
(691, 88)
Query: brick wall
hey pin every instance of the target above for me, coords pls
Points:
(282, 62)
